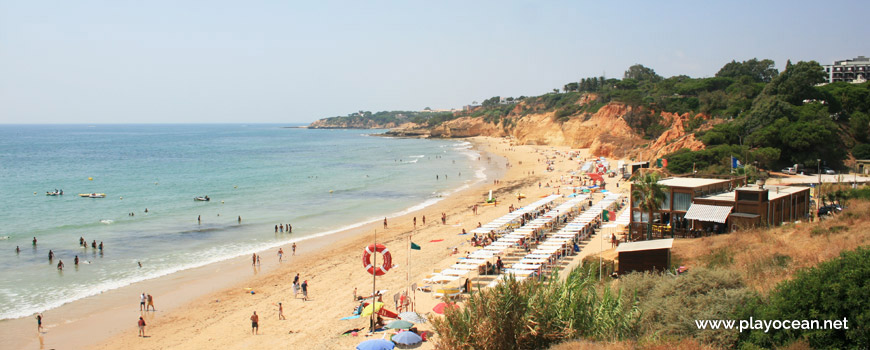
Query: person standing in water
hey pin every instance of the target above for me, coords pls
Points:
(240, 219)
(60, 265)
(76, 261)
(34, 241)
(199, 219)
(50, 255)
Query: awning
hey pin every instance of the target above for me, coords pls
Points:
(709, 213)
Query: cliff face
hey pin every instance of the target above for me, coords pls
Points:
(605, 132)
(675, 137)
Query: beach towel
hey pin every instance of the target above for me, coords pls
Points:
(436, 240)
(349, 317)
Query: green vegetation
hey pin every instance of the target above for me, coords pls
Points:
(833, 290)
(758, 113)
(534, 315)
(426, 118)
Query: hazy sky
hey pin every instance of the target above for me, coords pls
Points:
(270, 61)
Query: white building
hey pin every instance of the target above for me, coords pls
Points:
(855, 70)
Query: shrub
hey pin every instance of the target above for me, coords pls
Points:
(533, 315)
(833, 290)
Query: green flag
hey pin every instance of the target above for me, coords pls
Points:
(606, 216)
(415, 246)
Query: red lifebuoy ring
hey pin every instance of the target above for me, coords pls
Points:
(367, 260)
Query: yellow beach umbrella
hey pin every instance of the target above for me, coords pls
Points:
(372, 308)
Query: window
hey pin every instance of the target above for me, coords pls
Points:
(682, 201)
(640, 216)
(666, 204)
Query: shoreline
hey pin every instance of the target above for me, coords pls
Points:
(90, 320)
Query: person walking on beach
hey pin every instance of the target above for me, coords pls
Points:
(444, 218)
(424, 220)
(280, 254)
(415, 222)
(305, 290)
(39, 322)
(258, 260)
(141, 327)
(281, 312)
(385, 223)
(255, 320)
(254, 259)
(150, 303)
(294, 248)
(142, 299)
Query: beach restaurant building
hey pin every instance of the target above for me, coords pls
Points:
(701, 206)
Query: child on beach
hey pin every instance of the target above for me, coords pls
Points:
(281, 312)
(39, 322)
(294, 248)
(280, 254)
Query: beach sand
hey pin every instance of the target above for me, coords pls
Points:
(210, 307)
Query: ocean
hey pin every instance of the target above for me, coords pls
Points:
(319, 181)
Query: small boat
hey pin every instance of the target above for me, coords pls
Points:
(92, 195)
(202, 199)
(54, 193)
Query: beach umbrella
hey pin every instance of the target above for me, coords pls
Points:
(372, 308)
(407, 338)
(400, 324)
(412, 316)
(376, 344)
(439, 309)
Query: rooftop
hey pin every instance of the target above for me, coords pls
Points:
(646, 245)
(691, 182)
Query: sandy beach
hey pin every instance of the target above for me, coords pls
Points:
(210, 307)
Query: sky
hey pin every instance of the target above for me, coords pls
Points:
(124, 61)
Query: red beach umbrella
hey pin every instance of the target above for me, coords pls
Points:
(439, 309)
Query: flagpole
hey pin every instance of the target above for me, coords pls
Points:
(408, 288)
(374, 289)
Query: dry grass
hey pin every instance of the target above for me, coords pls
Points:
(682, 344)
(765, 257)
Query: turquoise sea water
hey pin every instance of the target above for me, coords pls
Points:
(264, 173)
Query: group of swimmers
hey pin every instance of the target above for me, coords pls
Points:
(60, 263)
(280, 228)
